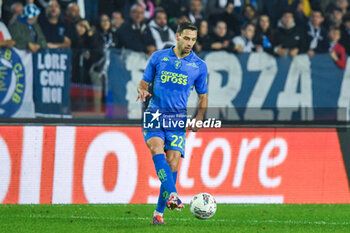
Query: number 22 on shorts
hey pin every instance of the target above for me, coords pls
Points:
(173, 142)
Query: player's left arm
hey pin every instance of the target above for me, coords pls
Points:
(202, 108)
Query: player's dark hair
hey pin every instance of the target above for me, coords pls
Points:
(186, 25)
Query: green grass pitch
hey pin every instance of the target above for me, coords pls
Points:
(137, 218)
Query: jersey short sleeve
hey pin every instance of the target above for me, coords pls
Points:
(150, 70)
(201, 81)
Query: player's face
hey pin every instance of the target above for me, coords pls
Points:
(186, 40)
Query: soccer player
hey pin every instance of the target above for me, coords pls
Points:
(173, 73)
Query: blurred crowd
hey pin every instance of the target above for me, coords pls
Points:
(279, 27)
(91, 27)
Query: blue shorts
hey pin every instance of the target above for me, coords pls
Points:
(173, 139)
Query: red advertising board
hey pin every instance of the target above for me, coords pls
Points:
(81, 164)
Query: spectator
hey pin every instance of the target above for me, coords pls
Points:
(147, 5)
(306, 6)
(254, 3)
(110, 6)
(326, 5)
(203, 39)
(26, 32)
(336, 50)
(7, 10)
(335, 18)
(174, 8)
(134, 34)
(195, 12)
(316, 36)
(16, 10)
(85, 34)
(105, 38)
(230, 17)
(248, 13)
(220, 40)
(117, 21)
(244, 42)
(342, 4)
(300, 17)
(81, 53)
(72, 15)
(275, 9)
(182, 17)
(44, 3)
(71, 18)
(55, 30)
(264, 35)
(102, 40)
(148, 8)
(5, 37)
(345, 33)
(163, 36)
(215, 7)
(287, 38)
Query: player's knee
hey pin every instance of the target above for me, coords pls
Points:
(173, 163)
(155, 148)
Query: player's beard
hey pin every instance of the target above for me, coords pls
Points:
(185, 50)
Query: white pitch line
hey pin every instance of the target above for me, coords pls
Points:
(247, 199)
(294, 222)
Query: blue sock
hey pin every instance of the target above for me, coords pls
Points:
(163, 196)
(164, 173)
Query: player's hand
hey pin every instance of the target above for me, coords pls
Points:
(194, 128)
(143, 94)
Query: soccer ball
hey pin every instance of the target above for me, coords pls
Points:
(203, 206)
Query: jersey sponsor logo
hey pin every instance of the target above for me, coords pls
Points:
(165, 59)
(192, 64)
(177, 64)
(174, 78)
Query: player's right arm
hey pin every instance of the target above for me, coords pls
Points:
(147, 79)
(142, 90)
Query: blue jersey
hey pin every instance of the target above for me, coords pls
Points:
(173, 79)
